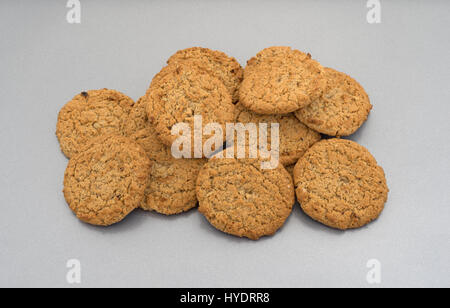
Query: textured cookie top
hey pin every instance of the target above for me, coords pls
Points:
(269, 55)
(342, 108)
(106, 180)
(339, 183)
(171, 187)
(281, 80)
(147, 138)
(294, 137)
(91, 114)
(240, 198)
(183, 94)
(137, 119)
(216, 63)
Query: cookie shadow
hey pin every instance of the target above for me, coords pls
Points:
(356, 136)
(129, 223)
(319, 227)
(168, 218)
(207, 227)
(135, 219)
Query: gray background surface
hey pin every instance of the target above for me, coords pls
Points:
(403, 63)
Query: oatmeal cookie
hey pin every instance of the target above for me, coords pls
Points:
(240, 198)
(339, 183)
(281, 80)
(91, 114)
(106, 180)
(343, 107)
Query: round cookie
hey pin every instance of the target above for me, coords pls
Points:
(343, 107)
(91, 114)
(339, 183)
(184, 94)
(106, 180)
(280, 80)
(240, 198)
(218, 64)
(294, 137)
(171, 187)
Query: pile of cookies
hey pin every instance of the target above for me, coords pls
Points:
(121, 156)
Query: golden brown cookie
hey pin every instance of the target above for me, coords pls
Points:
(183, 94)
(339, 183)
(343, 107)
(281, 80)
(91, 114)
(171, 187)
(294, 137)
(106, 180)
(238, 197)
(216, 63)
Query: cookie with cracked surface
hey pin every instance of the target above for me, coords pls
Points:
(171, 187)
(294, 137)
(267, 55)
(343, 107)
(225, 68)
(106, 180)
(281, 80)
(184, 94)
(339, 183)
(91, 114)
(240, 198)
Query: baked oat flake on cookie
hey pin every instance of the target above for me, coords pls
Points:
(106, 180)
(339, 183)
